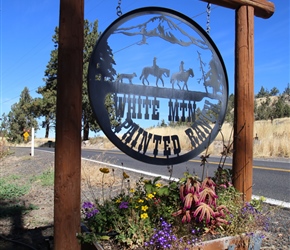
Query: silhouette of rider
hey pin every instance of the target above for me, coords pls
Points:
(155, 67)
(181, 69)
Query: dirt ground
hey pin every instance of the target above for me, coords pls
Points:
(26, 222)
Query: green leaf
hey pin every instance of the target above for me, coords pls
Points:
(163, 191)
(105, 237)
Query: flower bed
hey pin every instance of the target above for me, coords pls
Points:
(154, 214)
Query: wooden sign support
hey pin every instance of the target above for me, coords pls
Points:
(68, 126)
(69, 109)
(244, 87)
(244, 102)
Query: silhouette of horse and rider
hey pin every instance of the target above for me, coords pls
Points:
(156, 71)
(181, 76)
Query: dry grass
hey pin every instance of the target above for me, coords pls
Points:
(96, 185)
(179, 131)
(91, 170)
(102, 142)
(273, 138)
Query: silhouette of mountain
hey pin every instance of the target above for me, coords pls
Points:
(163, 27)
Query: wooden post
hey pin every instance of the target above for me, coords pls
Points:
(68, 125)
(244, 101)
(244, 87)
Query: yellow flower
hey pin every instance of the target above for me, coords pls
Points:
(132, 190)
(136, 206)
(104, 170)
(125, 176)
(144, 216)
(140, 201)
(158, 185)
(150, 196)
(144, 208)
(119, 200)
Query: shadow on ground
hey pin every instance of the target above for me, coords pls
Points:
(17, 237)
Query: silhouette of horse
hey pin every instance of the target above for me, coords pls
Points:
(181, 77)
(154, 71)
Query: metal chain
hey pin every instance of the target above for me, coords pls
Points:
(208, 10)
(118, 8)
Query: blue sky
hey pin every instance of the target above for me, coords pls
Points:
(27, 28)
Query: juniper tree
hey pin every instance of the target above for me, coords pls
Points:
(21, 118)
(47, 104)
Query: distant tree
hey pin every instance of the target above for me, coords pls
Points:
(4, 125)
(262, 93)
(274, 91)
(91, 35)
(110, 107)
(88, 119)
(47, 104)
(264, 110)
(278, 108)
(287, 90)
(162, 124)
(286, 93)
(230, 108)
(281, 108)
(21, 118)
(287, 111)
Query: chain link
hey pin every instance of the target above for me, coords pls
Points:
(118, 8)
(208, 10)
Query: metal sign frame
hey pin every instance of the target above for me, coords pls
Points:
(132, 100)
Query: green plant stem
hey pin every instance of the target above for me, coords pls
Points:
(103, 195)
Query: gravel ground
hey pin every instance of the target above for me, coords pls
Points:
(34, 227)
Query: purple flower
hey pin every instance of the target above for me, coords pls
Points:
(124, 205)
(91, 213)
(87, 205)
(89, 209)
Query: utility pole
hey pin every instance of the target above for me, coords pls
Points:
(68, 126)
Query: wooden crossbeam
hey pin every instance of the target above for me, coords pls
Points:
(262, 8)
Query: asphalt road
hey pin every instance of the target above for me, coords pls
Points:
(271, 178)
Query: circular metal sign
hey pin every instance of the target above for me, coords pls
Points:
(158, 74)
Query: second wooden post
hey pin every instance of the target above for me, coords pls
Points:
(244, 101)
